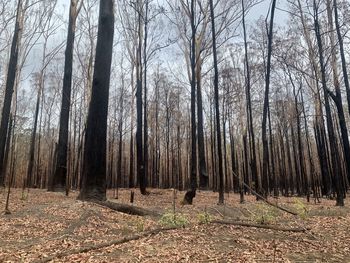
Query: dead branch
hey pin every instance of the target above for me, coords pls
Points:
(278, 228)
(123, 240)
(127, 209)
(265, 200)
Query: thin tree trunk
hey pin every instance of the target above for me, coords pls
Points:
(217, 108)
(342, 55)
(60, 174)
(203, 175)
(254, 174)
(266, 101)
(191, 193)
(29, 178)
(139, 141)
(145, 120)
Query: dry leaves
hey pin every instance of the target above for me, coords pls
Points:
(50, 223)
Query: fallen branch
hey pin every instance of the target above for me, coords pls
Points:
(105, 244)
(265, 200)
(278, 228)
(127, 209)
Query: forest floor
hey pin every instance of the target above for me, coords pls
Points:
(50, 227)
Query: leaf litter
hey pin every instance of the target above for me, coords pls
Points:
(46, 224)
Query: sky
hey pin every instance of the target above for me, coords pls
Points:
(263, 8)
(260, 10)
(257, 11)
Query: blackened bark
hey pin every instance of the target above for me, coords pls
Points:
(203, 175)
(139, 145)
(212, 150)
(10, 132)
(342, 54)
(217, 108)
(145, 121)
(331, 135)
(60, 174)
(10, 83)
(29, 178)
(252, 155)
(266, 102)
(338, 96)
(94, 166)
(191, 193)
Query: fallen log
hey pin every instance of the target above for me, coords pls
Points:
(272, 227)
(127, 209)
(120, 241)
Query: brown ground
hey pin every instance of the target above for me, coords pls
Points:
(45, 224)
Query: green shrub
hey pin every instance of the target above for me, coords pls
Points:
(265, 214)
(204, 218)
(140, 225)
(301, 208)
(173, 220)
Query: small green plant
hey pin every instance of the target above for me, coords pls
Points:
(140, 225)
(173, 220)
(301, 208)
(204, 218)
(265, 214)
(24, 196)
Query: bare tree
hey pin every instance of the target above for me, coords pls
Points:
(266, 103)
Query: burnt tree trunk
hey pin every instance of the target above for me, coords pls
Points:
(145, 120)
(191, 193)
(337, 97)
(94, 166)
(265, 171)
(342, 55)
(60, 174)
(29, 178)
(331, 135)
(9, 88)
(252, 151)
(203, 175)
(217, 108)
(139, 141)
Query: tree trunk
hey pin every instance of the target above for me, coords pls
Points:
(337, 98)
(253, 166)
(342, 55)
(94, 167)
(217, 108)
(331, 136)
(60, 174)
(139, 145)
(10, 83)
(266, 102)
(145, 120)
(191, 193)
(203, 175)
(29, 178)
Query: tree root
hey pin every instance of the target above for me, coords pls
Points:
(105, 244)
(127, 209)
(278, 228)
